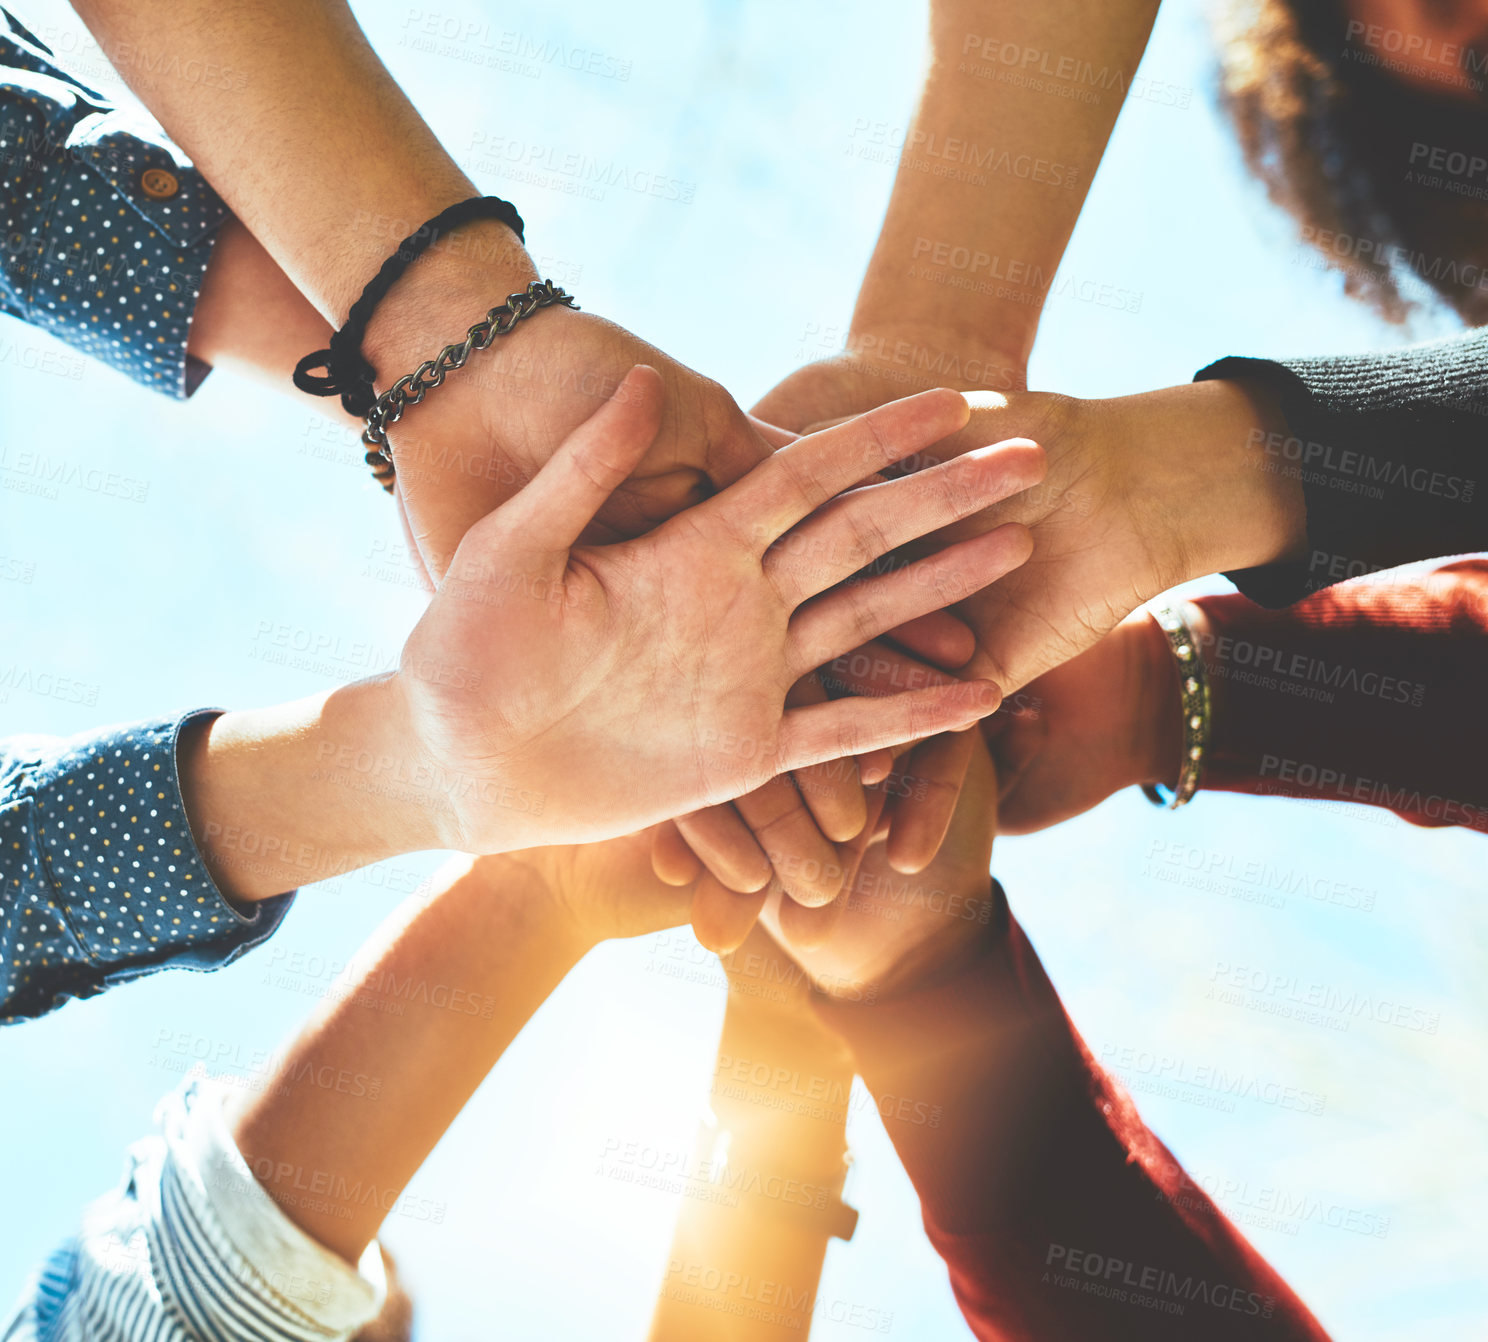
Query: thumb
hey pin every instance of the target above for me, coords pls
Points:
(545, 519)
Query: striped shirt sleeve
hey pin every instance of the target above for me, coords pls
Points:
(192, 1249)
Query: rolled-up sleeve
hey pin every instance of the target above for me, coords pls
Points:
(190, 1246)
(108, 226)
(103, 882)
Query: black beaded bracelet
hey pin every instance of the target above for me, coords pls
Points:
(347, 373)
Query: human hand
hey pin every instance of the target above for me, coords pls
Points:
(741, 843)
(1105, 720)
(799, 831)
(649, 678)
(879, 366)
(890, 933)
(589, 892)
(490, 428)
(1143, 492)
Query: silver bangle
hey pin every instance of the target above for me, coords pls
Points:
(1193, 702)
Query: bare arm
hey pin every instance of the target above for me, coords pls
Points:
(995, 168)
(251, 320)
(287, 146)
(497, 937)
(326, 162)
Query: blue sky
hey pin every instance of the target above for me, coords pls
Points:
(255, 516)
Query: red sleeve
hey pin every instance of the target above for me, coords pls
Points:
(1058, 1214)
(1370, 691)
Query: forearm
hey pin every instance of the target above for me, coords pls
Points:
(487, 959)
(1368, 692)
(994, 172)
(283, 796)
(1032, 1165)
(1189, 454)
(250, 319)
(311, 87)
(783, 1157)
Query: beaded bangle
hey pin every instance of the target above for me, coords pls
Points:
(1194, 703)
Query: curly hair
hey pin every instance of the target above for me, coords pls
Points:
(1386, 179)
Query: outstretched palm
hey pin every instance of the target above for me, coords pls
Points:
(639, 681)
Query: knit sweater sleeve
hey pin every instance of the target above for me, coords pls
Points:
(1388, 447)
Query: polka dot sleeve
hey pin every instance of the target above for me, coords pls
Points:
(108, 226)
(102, 880)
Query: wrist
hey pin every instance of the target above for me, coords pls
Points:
(374, 738)
(513, 896)
(956, 944)
(466, 273)
(281, 797)
(909, 351)
(1198, 480)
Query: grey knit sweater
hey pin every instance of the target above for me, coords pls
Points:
(1389, 448)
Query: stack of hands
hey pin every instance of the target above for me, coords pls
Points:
(688, 662)
(761, 654)
(638, 584)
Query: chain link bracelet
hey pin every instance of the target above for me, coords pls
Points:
(389, 408)
(1193, 702)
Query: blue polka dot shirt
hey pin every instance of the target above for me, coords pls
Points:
(107, 226)
(102, 880)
